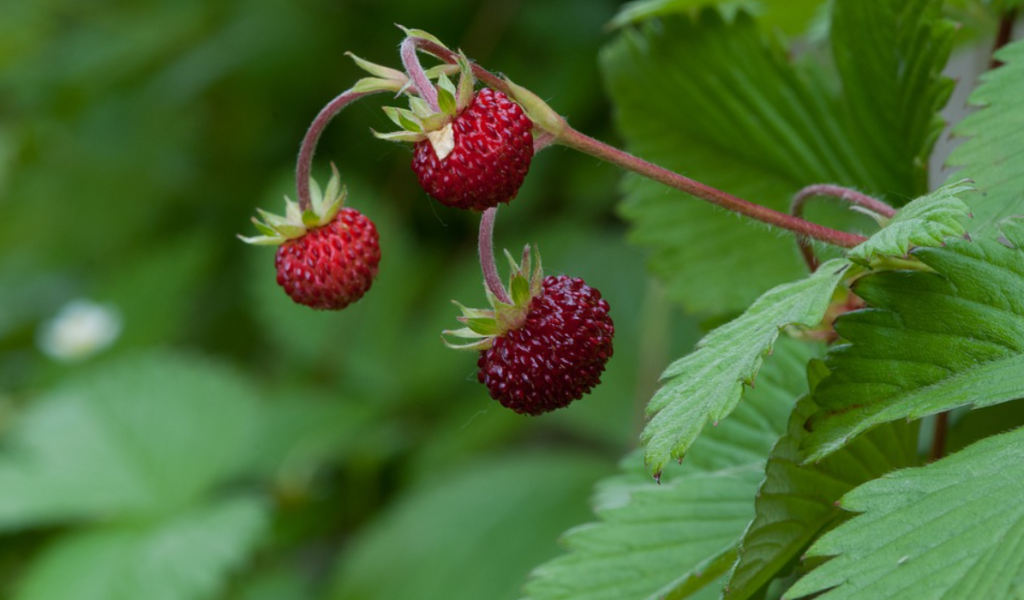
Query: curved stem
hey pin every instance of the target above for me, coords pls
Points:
(304, 165)
(578, 141)
(574, 139)
(842, 193)
(486, 245)
(796, 209)
(415, 71)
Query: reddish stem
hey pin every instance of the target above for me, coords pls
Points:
(583, 143)
(415, 71)
(1003, 35)
(846, 194)
(939, 436)
(304, 166)
(486, 245)
(842, 193)
(578, 141)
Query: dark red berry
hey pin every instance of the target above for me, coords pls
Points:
(493, 150)
(557, 355)
(331, 266)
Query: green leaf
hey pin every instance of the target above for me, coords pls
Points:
(707, 384)
(676, 539)
(183, 557)
(952, 529)
(993, 156)
(744, 117)
(472, 534)
(793, 16)
(139, 436)
(929, 341)
(796, 502)
(927, 221)
(890, 55)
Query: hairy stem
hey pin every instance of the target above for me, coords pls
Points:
(842, 193)
(486, 244)
(796, 209)
(415, 71)
(304, 166)
(588, 145)
(578, 141)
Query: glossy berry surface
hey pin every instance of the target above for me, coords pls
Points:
(557, 355)
(331, 266)
(492, 154)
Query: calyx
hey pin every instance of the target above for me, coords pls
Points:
(325, 205)
(482, 326)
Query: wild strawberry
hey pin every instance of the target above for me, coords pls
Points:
(328, 255)
(475, 151)
(493, 147)
(546, 349)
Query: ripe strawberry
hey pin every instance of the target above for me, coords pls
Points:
(546, 349)
(328, 255)
(493, 147)
(557, 355)
(473, 150)
(333, 265)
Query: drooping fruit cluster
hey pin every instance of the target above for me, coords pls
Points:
(473, 150)
(493, 147)
(545, 349)
(328, 256)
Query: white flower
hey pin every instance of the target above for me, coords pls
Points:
(81, 329)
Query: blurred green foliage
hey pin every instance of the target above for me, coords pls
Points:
(231, 444)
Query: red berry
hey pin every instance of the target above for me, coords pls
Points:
(331, 266)
(557, 355)
(493, 150)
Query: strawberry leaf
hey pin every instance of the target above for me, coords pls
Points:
(677, 538)
(796, 502)
(181, 557)
(90, 449)
(928, 342)
(748, 119)
(926, 221)
(993, 156)
(708, 384)
(951, 529)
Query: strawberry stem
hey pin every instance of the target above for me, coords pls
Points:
(486, 244)
(304, 165)
(578, 141)
(568, 136)
(796, 208)
(842, 193)
(415, 71)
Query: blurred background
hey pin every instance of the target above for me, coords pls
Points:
(171, 425)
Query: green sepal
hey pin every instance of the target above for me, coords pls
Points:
(467, 84)
(324, 206)
(444, 68)
(520, 291)
(379, 71)
(419, 107)
(486, 326)
(406, 119)
(261, 240)
(446, 96)
(538, 111)
(399, 136)
(419, 33)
